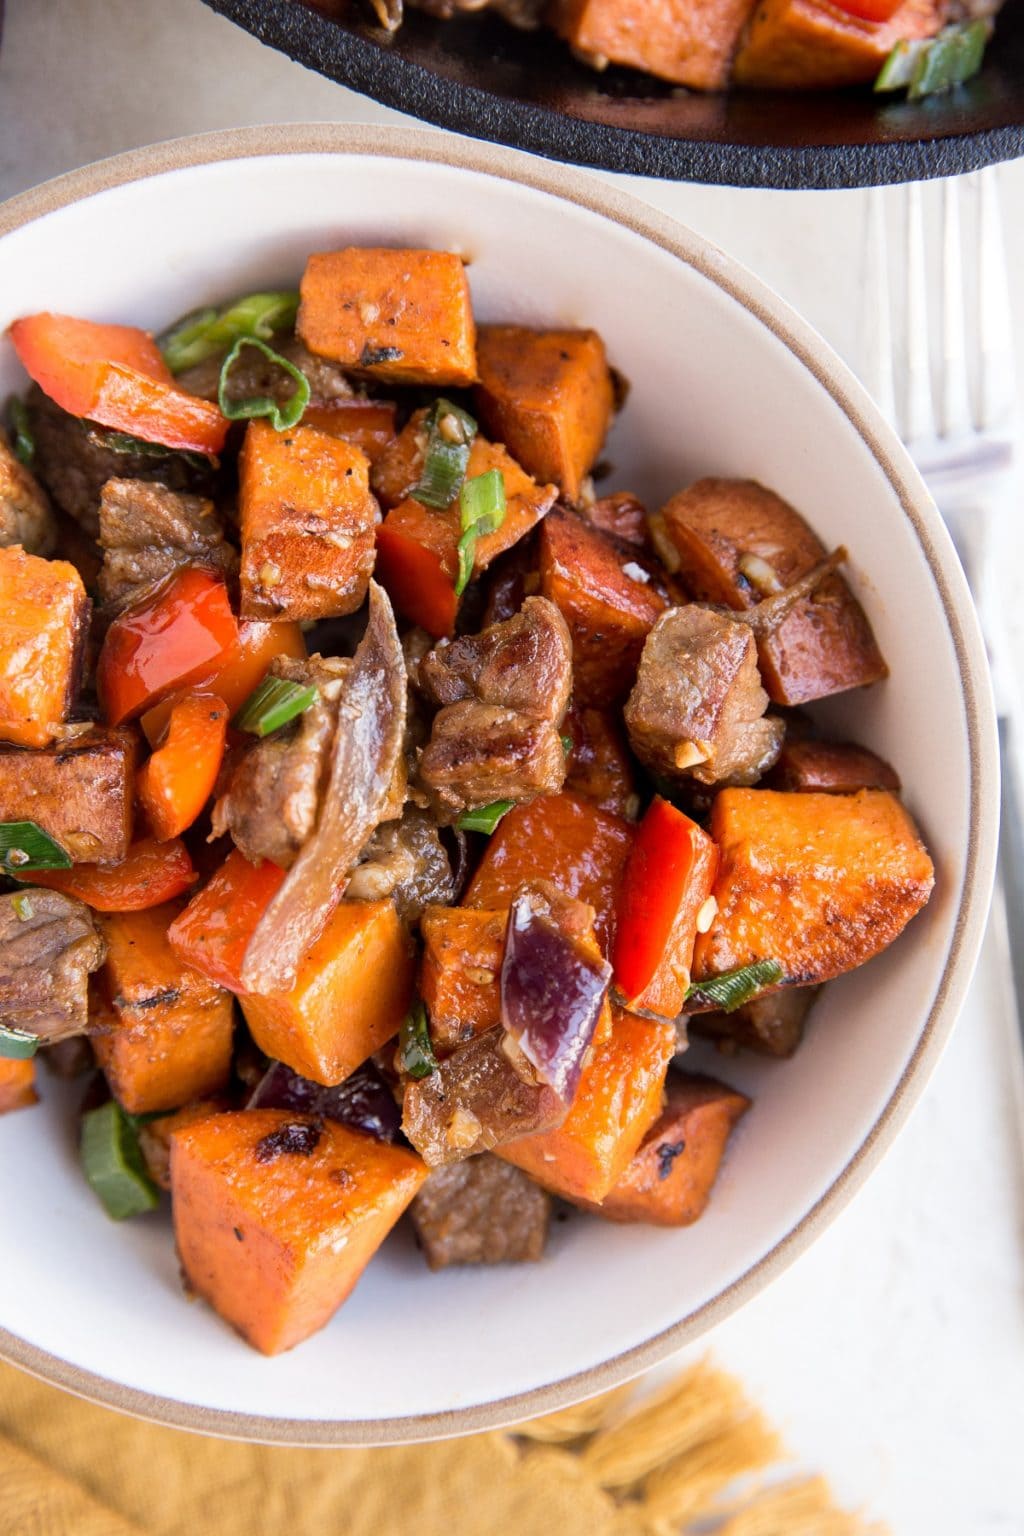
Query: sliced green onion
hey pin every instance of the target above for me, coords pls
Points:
(24, 846)
(450, 434)
(113, 1163)
(205, 332)
(482, 511)
(282, 418)
(273, 704)
(567, 744)
(924, 67)
(17, 1044)
(486, 818)
(138, 448)
(24, 443)
(734, 988)
(415, 1052)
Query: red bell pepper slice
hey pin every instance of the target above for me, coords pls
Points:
(151, 874)
(179, 778)
(115, 375)
(237, 672)
(166, 643)
(668, 879)
(416, 581)
(869, 10)
(213, 933)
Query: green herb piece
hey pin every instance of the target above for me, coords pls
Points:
(482, 511)
(486, 818)
(567, 744)
(24, 846)
(205, 332)
(139, 448)
(450, 434)
(734, 988)
(24, 444)
(415, 1052)
(273, 704)
(113, 1163)
(924, 67)
(282, 418)
(17, 1044)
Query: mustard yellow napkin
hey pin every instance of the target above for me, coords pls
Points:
(620, 1466)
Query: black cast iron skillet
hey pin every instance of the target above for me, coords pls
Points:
(478, 76)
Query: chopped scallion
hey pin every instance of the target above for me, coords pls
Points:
(926, 66)
(482, 511)
(205, 332)
(273, 704)
(17, 1044)
(138, 448)
(24, 846)
(113, 1163)
(282, 418)
(567, 744)
(415, 1051)
(450, 434)
(24, 442)
(486, 818)
(734, 988)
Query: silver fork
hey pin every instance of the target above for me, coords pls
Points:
(953, 401)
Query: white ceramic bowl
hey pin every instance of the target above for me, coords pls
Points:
(725, 380)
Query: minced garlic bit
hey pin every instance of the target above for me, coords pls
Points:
(759, 573)
(707, 915)
(270, 574)
(463, 1129)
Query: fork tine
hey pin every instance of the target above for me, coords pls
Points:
(996, 385)
(955, 408)
(876, 321)
(918, 416)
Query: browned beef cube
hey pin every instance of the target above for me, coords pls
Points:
(771, 1026)
(482, 1211)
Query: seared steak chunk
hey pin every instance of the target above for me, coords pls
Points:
(407, 861)
(49, 944)
(26, 517)
(479, 753)
(147, 532)
(482, 1211)
(524, 664)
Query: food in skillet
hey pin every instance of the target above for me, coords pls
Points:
(378, 805)
(918, 46)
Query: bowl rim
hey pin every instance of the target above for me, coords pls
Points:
(594, 194)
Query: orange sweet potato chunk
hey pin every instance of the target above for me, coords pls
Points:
(679, 40)
(352, 991)
(818, 882)
(44, 616)
(571, 842)
(275, 1239)
(307, 519)
(459, 973)
(403, 316)
(598, 766)
(17, 1085)
(811, 44)
(619, 1097)
(669, 1181)
(605, 599)
(80, 791)
(548, 396)
(826, 644)
(164, 1031)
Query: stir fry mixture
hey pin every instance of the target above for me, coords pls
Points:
(917, 46)
(379, 807)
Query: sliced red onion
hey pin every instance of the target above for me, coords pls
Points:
(552, 993)
(363, 1102)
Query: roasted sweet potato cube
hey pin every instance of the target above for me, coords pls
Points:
(560, 838)
(599, 766)
(674, 39)
(418, 548)
(352, 991)
(475, 1102)
(80, 792)
(308, 520)
(482, 1211)
(619, 1097)
(669, 1181)
(548, 396)
(368, 425)
(771, 1026)
(460, 969)
(44, 616)
(820, 46)
(276, 1216)
(833, 767)
(819, 883)
(622, 515)
(606, 599)
(402, 316)
(723, 529)
(162, 1032)
(213, 932)
(17, 1085)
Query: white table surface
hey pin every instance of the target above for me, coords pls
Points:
(892, 1354)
